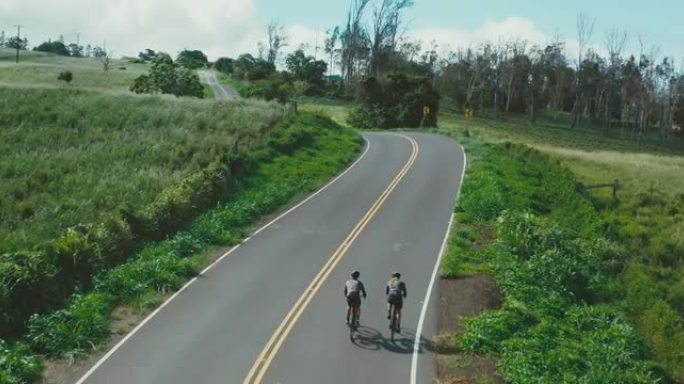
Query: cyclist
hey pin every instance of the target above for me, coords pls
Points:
(396, 293)
(353, 289)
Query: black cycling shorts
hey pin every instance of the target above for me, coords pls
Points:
(396, 300)
(354, 301)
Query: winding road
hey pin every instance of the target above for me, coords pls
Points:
(272, 309)
(221, 92)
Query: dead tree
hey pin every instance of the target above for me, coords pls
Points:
(585, 30)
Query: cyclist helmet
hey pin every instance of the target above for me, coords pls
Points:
(396, 274)
(355, 274)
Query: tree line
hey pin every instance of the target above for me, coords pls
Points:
(602, 85)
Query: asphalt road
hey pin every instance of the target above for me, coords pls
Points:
(236, 323)
(221, 92)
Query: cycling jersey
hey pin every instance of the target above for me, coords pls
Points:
(354, 288)
(396, 288)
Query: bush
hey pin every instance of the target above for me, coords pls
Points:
(396, 102)
(169, 78)
(553, 267)
(17, 365)
(224, 65)
(56, 47)
(73, 331)
(66, 76)
(192, 59)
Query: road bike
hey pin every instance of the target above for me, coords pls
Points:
(394, 322)
(354, 323)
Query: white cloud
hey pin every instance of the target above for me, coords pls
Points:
(494, 31)
(219, 27)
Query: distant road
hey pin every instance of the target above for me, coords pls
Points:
(222, 92)
(272, 310)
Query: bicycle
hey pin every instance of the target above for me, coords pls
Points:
(354, 323)
(394, 322)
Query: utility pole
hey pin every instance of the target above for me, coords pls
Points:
(18, 40)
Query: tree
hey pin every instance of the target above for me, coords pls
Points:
(331, 47)
(247, 67)
(56, 47)
(615, 44)
(147, 55)
(224, 65)
(105, 59)
(277, 39)
(386, 25)
(75, 50)
(170, 78)
(585, 30)
(2, 39)
(98, 52)
(192, 59)
(355, 41)
(396, 101)
(15, 42)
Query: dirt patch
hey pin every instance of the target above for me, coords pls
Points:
(459, 299)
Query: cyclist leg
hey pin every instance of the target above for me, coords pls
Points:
(399, 304)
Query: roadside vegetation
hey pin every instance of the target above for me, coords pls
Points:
(590, 284)
(65, 153)
(112, 200)
(299, 156)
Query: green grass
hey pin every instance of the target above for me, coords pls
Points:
(66, 152)
(297, 158)
(37, 69)
(520, 216)
(647, 281)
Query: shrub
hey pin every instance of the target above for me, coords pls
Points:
(66, 76)
(56, 47)
(72, 331)
(192, 59)
(17, 365)
(170, 78)
(224, 65)
(396, 102)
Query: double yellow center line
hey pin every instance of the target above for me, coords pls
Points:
(258, 370)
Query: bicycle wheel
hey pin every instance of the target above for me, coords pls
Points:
(393, 322)
(354, 323)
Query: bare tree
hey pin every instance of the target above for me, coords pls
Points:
(615, 44)
(386, 26)
(517, 51)
(277, 39)
(354, 40)
(331, 47)
(585, 30)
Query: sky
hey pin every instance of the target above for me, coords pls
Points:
(231, 27)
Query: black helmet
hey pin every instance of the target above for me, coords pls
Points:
(355, 274)
(396, 274)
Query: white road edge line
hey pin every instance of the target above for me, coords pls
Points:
(421, 319)
(156, 311)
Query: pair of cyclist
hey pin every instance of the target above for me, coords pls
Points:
(395, 291)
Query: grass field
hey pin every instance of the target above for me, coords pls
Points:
(42, 69)
(302, 154)
(66, 152)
